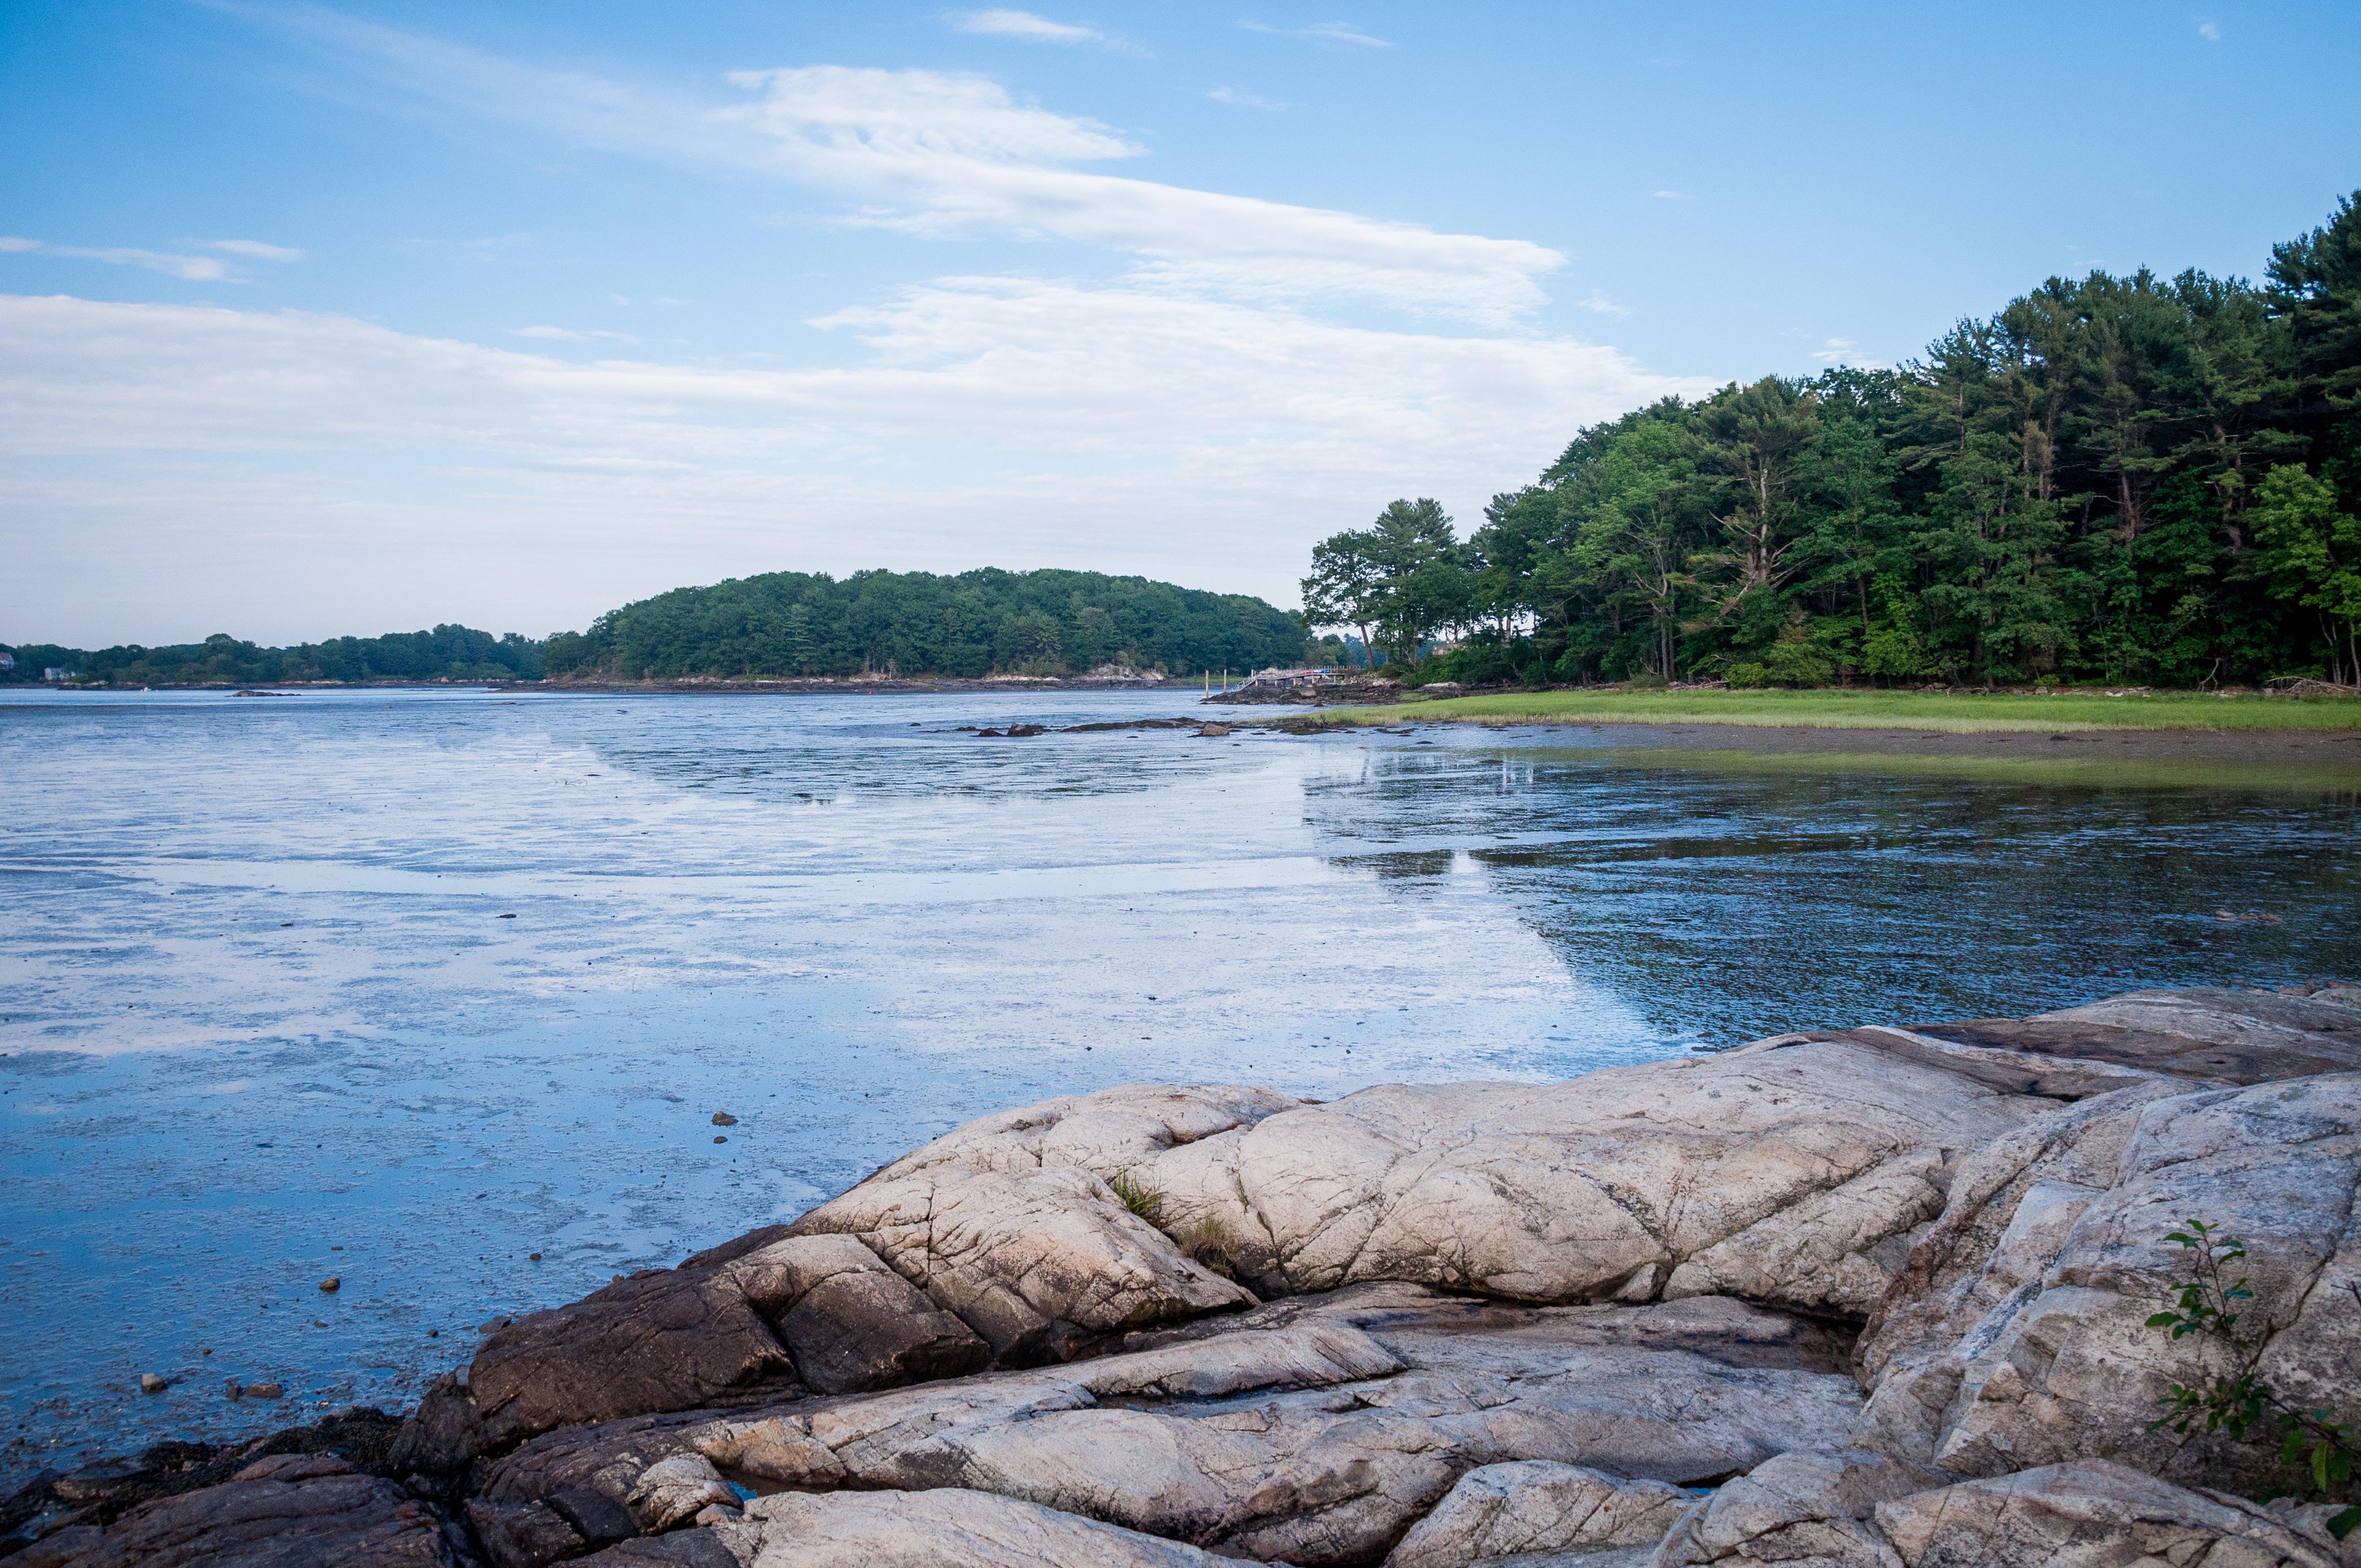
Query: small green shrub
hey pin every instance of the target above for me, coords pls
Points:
(2317, 1447)
(1796, 664)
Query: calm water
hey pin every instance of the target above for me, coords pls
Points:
(405, 988)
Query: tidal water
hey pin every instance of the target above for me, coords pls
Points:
(437, 993)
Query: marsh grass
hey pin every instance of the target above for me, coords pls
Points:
(1137, 1196)
(1958, 713)
(2336, 776)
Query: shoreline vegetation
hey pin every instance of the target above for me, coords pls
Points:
(1837, 708)
(2134, 480)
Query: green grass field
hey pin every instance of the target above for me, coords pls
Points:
(1962, 713)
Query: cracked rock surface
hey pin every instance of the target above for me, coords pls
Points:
(286, 1509)
(1859, 1510)
(2018, 1336)
(1315, 1436)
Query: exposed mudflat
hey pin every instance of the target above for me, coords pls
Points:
(2308, 746)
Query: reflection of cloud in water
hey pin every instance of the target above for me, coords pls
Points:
(266, 991)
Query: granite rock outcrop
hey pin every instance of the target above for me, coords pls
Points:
(1876, 1296)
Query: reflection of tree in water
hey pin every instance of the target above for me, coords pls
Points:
(1743, 904)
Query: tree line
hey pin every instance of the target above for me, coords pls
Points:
(2118, 478)
(916, 623)
(448, 652)
(779, 624)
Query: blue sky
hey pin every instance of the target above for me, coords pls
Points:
(328, 319)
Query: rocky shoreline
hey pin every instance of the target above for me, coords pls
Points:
(1877, 1296)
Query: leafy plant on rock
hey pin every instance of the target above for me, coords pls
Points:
(2207, 1305)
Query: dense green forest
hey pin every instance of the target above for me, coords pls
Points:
(448, 652)
(783, 623)
(911, 623)
(2126, 479)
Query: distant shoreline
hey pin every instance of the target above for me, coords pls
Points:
(818, 685)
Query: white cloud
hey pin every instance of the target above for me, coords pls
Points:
(945, 152)
(1025, 24)
(190, 269)
(1323, 32)
(1603, 305)
(1670, 195)
(1839, 351)
(989, 420)
(2210, 31)
(255, 249)
(837, 118)
(571, 334)
(956, 152)
(1242, 100)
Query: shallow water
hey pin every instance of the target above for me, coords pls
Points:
(406, 987)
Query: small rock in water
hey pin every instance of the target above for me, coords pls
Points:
(506, 917)
(151, 1384)
(433, 1333)
(1215, 730)
(261, 1391)
(533, 1257)
(720, 1138)
(724, 1119)
(332, 1285)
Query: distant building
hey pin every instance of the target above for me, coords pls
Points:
(7, 661)
(53, 674)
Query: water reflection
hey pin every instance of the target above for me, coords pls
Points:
(1740, 894)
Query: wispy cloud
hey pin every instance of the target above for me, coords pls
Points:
(190, 269)
(1038, 30)
(255, 249)
(1323, 32)
(2210, 31)
(1670, 195)
(1603, 305)
(1244, 100)
(571, 334)
(1839, 351)
(944, 152)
